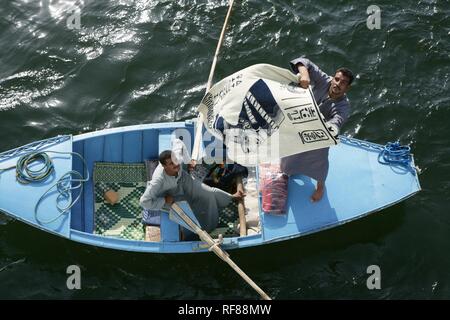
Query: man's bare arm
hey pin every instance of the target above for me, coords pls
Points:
(303, 76)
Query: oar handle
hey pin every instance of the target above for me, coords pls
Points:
(241, 208)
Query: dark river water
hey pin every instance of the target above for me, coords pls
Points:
(130, 62)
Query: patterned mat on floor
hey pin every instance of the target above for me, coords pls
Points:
(228, 222)
(123, 219)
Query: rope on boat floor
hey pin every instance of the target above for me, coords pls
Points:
(26, 173)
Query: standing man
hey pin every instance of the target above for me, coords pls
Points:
(330, 95)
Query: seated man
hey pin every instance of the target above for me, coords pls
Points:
(170, 184)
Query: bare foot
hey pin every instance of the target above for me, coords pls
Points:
(318, 194)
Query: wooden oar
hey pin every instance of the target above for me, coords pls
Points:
(200, 119)
(195, 153)
(213, 246)
(219, 44)
(241, 208)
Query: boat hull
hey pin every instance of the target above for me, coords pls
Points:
(357, 185)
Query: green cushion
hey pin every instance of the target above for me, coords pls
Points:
(123, 219)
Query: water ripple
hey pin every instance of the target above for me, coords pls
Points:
(15, 89)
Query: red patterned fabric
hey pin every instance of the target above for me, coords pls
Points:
(274, 188)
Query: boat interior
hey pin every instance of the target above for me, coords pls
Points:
(121, 162)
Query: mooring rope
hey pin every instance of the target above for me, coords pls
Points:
(395, 153)
(71, 180)
(24, 172)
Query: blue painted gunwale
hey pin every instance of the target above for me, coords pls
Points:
(373, 187)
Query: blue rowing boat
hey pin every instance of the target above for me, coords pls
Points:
(361, 181)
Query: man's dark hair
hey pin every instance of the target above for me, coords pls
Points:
(347, 73)
(163, 156)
